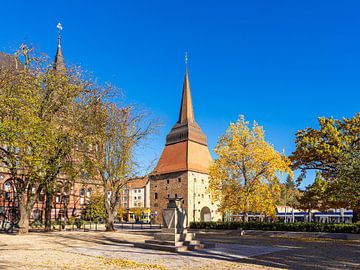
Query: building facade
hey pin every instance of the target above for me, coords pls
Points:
(183, 168)
(139, 192)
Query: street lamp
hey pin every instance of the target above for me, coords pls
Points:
(194, 197)
(285, 203)
(65, 200)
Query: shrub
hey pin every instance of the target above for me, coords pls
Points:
(267, 226)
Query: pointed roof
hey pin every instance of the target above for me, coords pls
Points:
(186, 128)
(186, 109)
(8, 61)
(186, 145)
(59, 63)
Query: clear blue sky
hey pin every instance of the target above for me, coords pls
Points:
(281, 63)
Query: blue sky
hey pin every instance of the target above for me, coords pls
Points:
(281, 63)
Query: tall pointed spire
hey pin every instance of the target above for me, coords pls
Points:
(186, 114)
(186, 129)
(59, 63)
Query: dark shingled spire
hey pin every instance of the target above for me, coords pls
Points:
(59, 64)
(186, 110)
(186, 129)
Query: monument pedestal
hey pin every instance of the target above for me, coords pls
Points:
(174, 236)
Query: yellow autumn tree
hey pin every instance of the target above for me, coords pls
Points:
(245, 177)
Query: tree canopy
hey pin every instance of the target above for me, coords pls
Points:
(246, 174)
(332, 151)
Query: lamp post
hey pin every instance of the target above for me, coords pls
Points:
(65, 209)
(194, 197)
(285, 204)
(90, 214)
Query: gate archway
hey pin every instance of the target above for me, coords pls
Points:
(205, 214)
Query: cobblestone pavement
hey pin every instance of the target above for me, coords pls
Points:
(100, 250)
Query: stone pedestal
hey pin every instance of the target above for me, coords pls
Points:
(174, 236)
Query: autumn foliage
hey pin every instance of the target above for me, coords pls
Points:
(245, 177)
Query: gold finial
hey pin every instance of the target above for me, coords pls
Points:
(186, 59)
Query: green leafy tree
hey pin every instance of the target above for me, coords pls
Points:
(321, 149)
(289, 193)
(346, 186)
(95, 207)
(326, 150)
(315, 196)
(23, 137)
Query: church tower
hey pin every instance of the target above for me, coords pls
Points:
(182, 170)
(59, 63)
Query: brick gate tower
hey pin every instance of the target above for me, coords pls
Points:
(182, 170)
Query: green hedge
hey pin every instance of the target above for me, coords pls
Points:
(266, 226)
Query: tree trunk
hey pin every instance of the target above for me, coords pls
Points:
(356, 215)
(24, 218)
(109, 221)
(48, 209)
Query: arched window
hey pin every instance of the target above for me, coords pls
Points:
(7, 189)
(7, 186)
(88, 192)
(156, 195)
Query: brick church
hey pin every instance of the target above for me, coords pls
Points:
(182, 170)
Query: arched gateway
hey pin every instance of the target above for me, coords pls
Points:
(205, 214)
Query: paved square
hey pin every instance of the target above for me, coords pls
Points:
(100, 250)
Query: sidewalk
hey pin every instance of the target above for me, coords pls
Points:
(286, 234)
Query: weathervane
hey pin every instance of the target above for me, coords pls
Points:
(59, 27)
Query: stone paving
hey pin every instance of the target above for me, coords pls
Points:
(100, 250)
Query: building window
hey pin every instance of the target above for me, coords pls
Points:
(156, 195)
(168, 181)
(179, 179)
(82, 196)
(168, 195)
(88, 192)
(199, 202)
(202, 181)
(202, 195)
(135, 198)
(175, 195)
(7, 196)
(139, 198)
(57, 199)
(156, 205)
(134, 190)
(195, 180)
